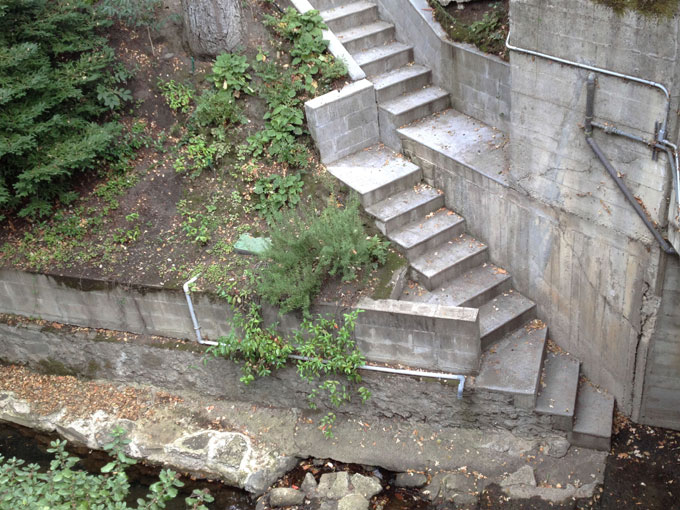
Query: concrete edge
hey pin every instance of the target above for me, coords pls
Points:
(334, 45)
(339, 94)
(420, 309)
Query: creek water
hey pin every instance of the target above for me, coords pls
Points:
(32, 447)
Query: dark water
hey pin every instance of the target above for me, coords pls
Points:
(32, 447)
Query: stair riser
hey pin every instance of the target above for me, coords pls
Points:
(432, 242)
(388, 63)
(451, 272)
(488, 294)
(392, 188)
(370, 40)
(588, 441)
(410, 84)
(323, 5)
(355, 19)
(493, 336)
(564, 423)
(411, 215)
(419, 111)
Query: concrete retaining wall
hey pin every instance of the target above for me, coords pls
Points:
(344, 121)
(428, 336)
(173, 368)
(661, 395)
(479, 83)
(444, 338)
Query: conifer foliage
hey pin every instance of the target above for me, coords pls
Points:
(59, 81)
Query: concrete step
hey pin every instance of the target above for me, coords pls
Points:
(424, 234)
(381, 59)
(323, 5)
(400, 81)
(407, 108)
(448, 261)
(593, 418)
(557, 392)
(471, 289)
(359, 38)
(376, 173)
(405, 207)
(346, 16)
(513, 365)
(503, 314)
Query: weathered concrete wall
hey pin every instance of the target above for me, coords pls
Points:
(173, 368)
(428, 336)
(661, 395)
(344, 121)
(479, 83)
(590, 257)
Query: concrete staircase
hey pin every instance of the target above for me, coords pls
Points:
(404, 90)
(448, 266)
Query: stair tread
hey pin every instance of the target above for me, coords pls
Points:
(372, 168)
(398, 204)
(594, 412)
(463, 139)
(355, 33)
(447, 255)
(372, 54)
(412, 100)
(513, 365)
(416, 232)
(502, 309)
(460, 290)
(557, 394)
(345, 10)
(403, 73)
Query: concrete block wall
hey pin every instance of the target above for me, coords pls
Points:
(344, 121)
(479, 84)
(421, 334)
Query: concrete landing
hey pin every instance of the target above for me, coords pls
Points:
(513, 365)
(453, 135)
(375, 173)
(557, 394)
(593, 418)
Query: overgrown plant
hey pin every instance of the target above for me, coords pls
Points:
(60, 80)
(177, 95)
(307, 247)
(62, 487)
(229, 72)
(275, 192)
(330, 358)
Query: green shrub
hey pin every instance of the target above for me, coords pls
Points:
(177, 95)
(307, 247)
(275, 192)
(229, 73)
(134, 13)
(58, 80)
(62, 487)
(217, 108)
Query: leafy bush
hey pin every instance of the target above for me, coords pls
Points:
(275, 192)
(229, 73)
(217, 108)
(62, 488)
(307, 247)
(134, 13)
(177, 95)
(58, 80)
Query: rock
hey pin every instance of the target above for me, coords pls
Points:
(448, 486)
(523, 476)
(333, 485)
(168, 56)
(366, 486)
(309, 484)
(410, 480)
(557, 447)
(285, 496)
(353, 502)
(466, 500)
(261, 503)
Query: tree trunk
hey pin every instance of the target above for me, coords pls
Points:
(212, 26)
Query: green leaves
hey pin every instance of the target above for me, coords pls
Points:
(275, 192)
(229, 73)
